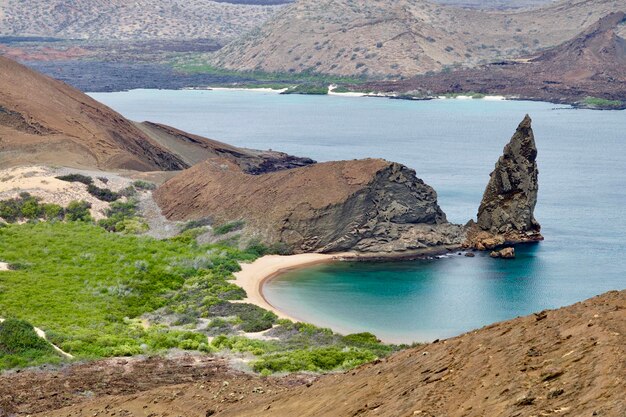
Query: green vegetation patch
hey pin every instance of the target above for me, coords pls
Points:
(228, 227)
(20, 346)
(307, 89)
(28, 207)
(602, 103)
(84, 286)
(91, 291)
(471, 94)
(144, 185)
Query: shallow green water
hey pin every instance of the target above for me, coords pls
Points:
(453, 145)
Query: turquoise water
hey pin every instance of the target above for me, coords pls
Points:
(453, 145)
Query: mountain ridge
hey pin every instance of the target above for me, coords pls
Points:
(396, 39)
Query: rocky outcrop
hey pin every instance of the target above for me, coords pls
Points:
(506, 253)
(193, 149)
(506, 212)
(367, 205)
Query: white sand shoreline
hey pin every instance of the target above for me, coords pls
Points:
(253, 275)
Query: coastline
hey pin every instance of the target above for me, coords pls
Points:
(253, 275)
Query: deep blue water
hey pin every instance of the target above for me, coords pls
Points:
(453, 145)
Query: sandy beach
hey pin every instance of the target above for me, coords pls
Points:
(253, 275)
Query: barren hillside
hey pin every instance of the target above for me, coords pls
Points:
(118, 19)
(44, 121)
(566, 362)
(592, 64)
(399, 38)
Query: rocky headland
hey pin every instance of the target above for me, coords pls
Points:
(371, 206)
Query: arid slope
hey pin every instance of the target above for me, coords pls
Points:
(407, 37)
(367, 205)
(592, 64)
(128, 20)
(46, 121)
(566, 362)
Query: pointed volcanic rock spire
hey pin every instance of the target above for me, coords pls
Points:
(506, 213)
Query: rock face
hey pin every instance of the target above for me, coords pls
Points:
(505, 214)
(506, 253)
(368, 205)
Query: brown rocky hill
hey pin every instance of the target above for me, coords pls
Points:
(403, 38)
(46, 121)
(193, 149)
(368, 205)
(43, 120)
(565, 362)
(591, 64)
(126, 20)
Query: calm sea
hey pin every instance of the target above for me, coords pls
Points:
(453, 145)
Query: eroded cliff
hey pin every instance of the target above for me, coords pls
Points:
(506, 213)
(368, 205)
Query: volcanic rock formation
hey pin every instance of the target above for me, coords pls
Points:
(506, 214)
(368, 205)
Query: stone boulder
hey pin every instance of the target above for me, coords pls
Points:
(506, 253)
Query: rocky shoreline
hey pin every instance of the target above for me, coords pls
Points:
(375, 208)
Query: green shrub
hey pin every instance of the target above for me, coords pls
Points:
(602, 103)
(76, 178)
(31, 209)
(132, 226)
(10, 210)
(195, 224)
(78, 211)
(53, 211)
(253, 318)
(314, 360)
(103, 194)
(121, 215)
(144, 185)
(20, 346)
(228, 227)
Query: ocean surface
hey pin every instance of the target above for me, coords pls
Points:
(453, 145)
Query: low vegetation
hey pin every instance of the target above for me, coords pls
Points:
(103, 194)
(227, 227)
(20, 346)
(307, 89)
(307, 82)
(95, 292)
(601, 103)
(27, 207)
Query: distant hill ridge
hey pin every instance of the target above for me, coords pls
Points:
(402, 38)
(126, 20)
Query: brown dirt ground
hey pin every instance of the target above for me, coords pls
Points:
(566, 362)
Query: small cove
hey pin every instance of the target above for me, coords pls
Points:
(453, 145)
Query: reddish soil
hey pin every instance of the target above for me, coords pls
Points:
(566, 362)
